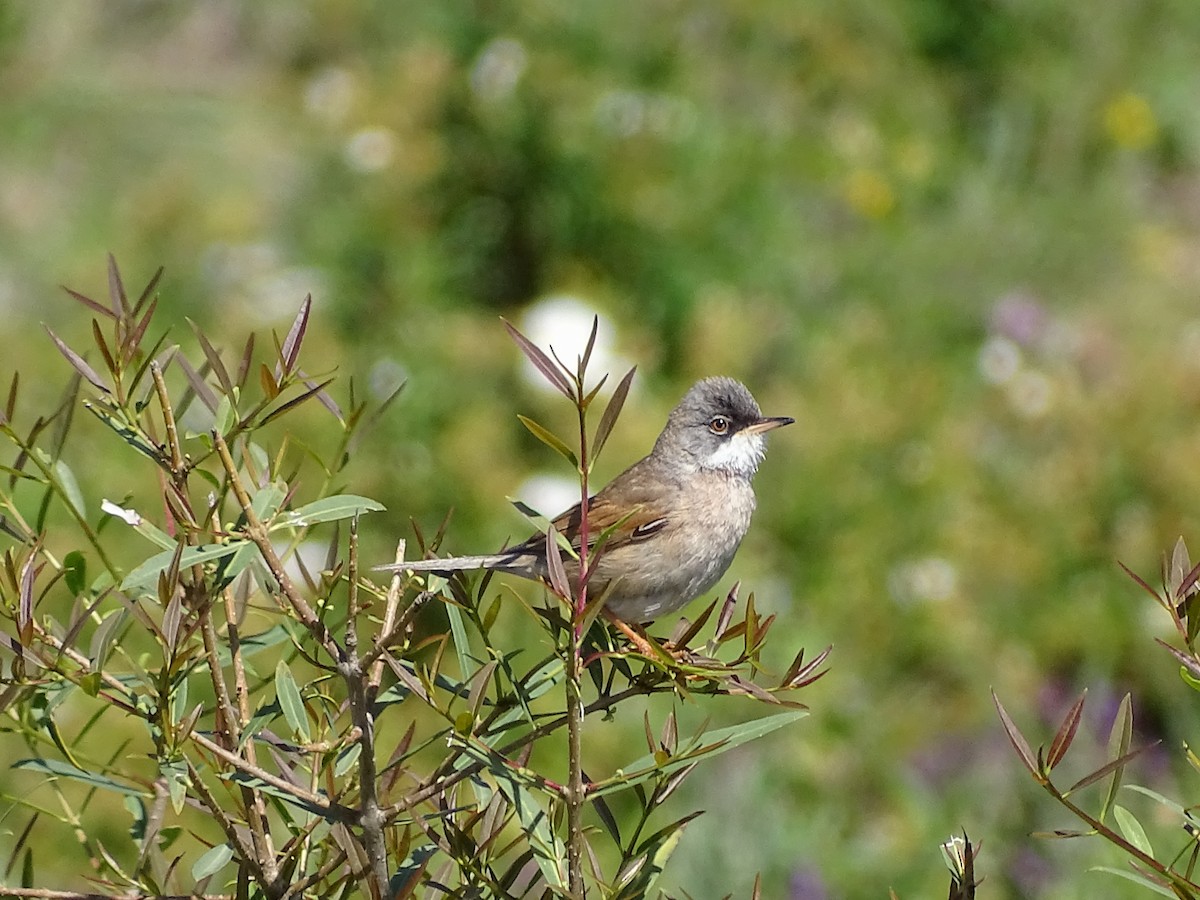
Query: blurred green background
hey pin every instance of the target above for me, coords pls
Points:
(956, 239)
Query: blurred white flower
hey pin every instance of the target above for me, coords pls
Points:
(371, 149)
(549, 494)
(999, 359)
(385, 377)
(498, 69)
(563, 323)
(330, 94)
(1030, 394)
(930, 578)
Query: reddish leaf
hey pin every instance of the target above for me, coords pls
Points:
(1149, 590)
(609, 416)
(1105, 769)
(541, 361)
(90, 303)
(98, 336)
(591, 344)
(148, 290)
(77, 362)
(295, 337)
(1017, 739)
(214, 360)
(1066, 733)
(116, 289)
(199, 385)
(10, 407)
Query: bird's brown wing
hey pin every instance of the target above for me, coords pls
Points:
(634, 512)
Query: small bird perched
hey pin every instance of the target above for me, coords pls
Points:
(680, 512)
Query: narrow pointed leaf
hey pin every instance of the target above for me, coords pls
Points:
(550, 439)
(554, 563)
(1132, 829)
(77, 362)
(116, 289)
(214, 359)
(1120, 737)
(90, 303)
(1066, 733)
(609, 417)
(1113, 766)
(290, 701)
(541, 361)
(331, 509)
(212, 862)
(295, 337)
(1016, 738)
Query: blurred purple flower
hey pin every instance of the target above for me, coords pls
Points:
(1019, 316)
(807, 884)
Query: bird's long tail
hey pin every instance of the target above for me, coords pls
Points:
(500, 561)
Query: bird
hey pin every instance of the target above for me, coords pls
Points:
(677, 515)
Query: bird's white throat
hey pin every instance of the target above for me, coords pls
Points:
(740, 455)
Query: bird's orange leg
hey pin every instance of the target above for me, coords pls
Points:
(638, 638)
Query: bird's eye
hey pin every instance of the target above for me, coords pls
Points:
(718, 425)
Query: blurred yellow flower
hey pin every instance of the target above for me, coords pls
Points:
(869, 193)
(1130, 121)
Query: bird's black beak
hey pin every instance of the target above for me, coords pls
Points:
(768, 424)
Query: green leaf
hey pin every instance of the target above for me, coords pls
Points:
(146, 575)
(290, 701)
(550, 439)
(212, 862)
(70, 487)
(1137, 878)
(657, 849)
(1132, 829)
(178, 780)
(547, 847)
(331, 509)
(75, 572)
(55, 769)
(714, 743)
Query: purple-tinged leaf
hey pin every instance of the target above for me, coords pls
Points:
(688, 630)
(147, 291)
(1066, 733)
(90, 303)
(609, 417)
(1017, 739)
(591, 344)
(1188, 662)
(10, 406)
(1149, 590)
(214, 360)
(247, 360)
(323, 395)
(295, 337)
(198, 384)
(543, 363)
(134, 338)
(98, 337)
(116, 289)
(726, 614)
(1188, 583)
(314, 391)
(1112, 767)
(78, 363)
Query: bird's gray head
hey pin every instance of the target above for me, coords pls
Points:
(718, 425)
